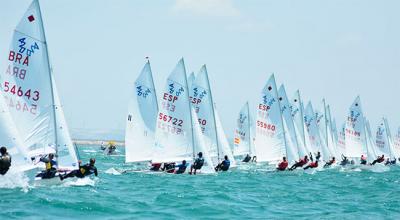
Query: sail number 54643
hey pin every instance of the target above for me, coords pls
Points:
(19, 91)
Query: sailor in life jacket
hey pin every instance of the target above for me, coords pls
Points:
(50, 167)
(5, 161)
(85, 170)
(198, 164)
(379, 160)
(283, 165)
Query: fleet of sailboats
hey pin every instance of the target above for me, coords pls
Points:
(178, 123)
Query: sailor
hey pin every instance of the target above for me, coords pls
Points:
(181, 167)
(390, 162)
(246, 159)
(85, 170)
(344, 161)
(379, 160)
(155, 166)
(283, 164)
(312, 165)
(330, 162)
(363, 160)
(168, 167)
(300, 163)
(318, 156)
(50, 165)
(198, 164)
(5, 160)
(224, 165)
(111, 147)
(254, 159)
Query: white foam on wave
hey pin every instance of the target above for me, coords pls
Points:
(80, 182)
(113, 171)
(12, 180)
(89, 151)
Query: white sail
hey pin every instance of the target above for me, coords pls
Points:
(270, 137)
(382, 140)
(331, 141)
(294, 147)
(141, 119)
(191, 79)
(396, 143)
(30, 91)
(10, 139)
(341, 139)
(225, 149)
(313, 131)
(394, 153)
(242, 137)
(199, 145)
(372, 151)
(355, 135)
(297, 109)
(174, 130)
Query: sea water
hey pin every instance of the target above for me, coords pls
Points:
(251, 192)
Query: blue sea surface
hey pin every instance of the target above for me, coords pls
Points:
(248, 192)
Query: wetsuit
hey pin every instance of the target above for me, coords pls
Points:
(5, 163)
(301, 163)
(224, 166)
(155, 166)
(282, 166)
(83, 171)
(50, 170)
(246, 159)
(312, 165)
(169, 167)
(379, 160)
(181, 168)
(329, 163)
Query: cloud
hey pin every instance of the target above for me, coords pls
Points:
(214, 8)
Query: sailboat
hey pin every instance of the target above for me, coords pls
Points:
(294, 146)
(208, 119)
(31, 95)
(141, 118)
(355, 138)
(270, 143)
(242, 143)
(177, 135)
(383, 142)
(297, 109)
(313, 131)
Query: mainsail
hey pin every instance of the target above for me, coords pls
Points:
(10, 139)
(355, 133)
(313, 131)
(382, 140)
(294, 145)
(141, 119)
(396, 143)
(242, 136)
(174, 130)
(270, 144)
(30, 92)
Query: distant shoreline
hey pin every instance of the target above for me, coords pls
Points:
(97, 142)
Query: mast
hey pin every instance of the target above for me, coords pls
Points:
(190, 109)
(50, 78)
(213, 112)
(249, 126)
(365, 136)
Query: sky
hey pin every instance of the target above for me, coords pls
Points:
(327, 49)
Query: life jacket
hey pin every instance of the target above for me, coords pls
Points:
(314, 164)
(5, 162)
(283, 165)
(381, 159)
(49, 165)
